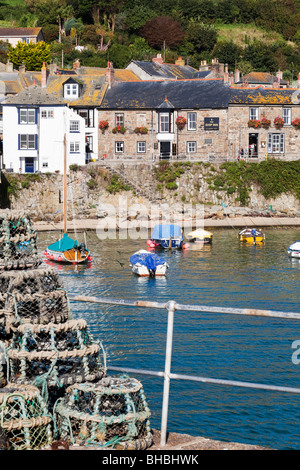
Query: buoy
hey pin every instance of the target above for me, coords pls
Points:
(149, 242)
(185, 246)
(59, 258)
(89, 258)
(51, 256)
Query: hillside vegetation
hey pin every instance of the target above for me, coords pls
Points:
(260, 35)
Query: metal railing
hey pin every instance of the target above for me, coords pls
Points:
(171, 307)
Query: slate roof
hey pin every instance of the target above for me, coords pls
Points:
(183, 94)
(261, 78)
(262, 96)
(34, 95)
(154, 69)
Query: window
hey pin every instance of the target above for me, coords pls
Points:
(141, 147)
(287, 116)
(253, 113)
(165, 122)
(191, 147)
(74, 126)
(47, 113)
(191, 121)
(119, 147)
(27, 141)
(88, 115)
(276, 143)
(74, 147)
(71, 90)
(27, 116)
(119, 118)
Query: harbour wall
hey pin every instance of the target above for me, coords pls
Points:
(92, 193)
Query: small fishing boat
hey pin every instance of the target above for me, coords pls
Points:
(294, 250)
(144, 263)
(166, 236)
(251, 235)
(67, 250)
(200, 236)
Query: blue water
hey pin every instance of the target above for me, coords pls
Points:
(230, 347)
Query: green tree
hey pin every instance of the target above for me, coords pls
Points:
(227, 52)
(202, 36)
(32, 55)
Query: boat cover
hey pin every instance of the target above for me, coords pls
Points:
(295, 246)
(65, 243)
(150, 260)
(166, 231)
(199, 233)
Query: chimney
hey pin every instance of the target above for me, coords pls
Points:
(237, 76)
(231, 79)
(76, 64)
(298, 80)
(203, 66)
(44, 76)
(226, 74)
(158, 59)
(110, 74)
(22, 68)
(53, 69)
(9, 67)
(180, 61)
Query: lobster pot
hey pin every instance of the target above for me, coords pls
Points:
(3, 363)
(32, 296)
(25, 423)
(111, 413)
(18, 248)
(61, 354)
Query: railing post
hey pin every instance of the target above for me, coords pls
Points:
(165, 405)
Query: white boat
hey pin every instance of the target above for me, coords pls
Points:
(144, 263)
(294, 250)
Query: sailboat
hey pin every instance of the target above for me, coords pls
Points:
(67, 250)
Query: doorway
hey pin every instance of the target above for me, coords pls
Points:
(165, 150)
(29, 165)
(253, 145)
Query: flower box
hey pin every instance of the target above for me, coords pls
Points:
(180, 122)
(141, 130)
(278, 122)
(103, 125)
(296, 123)
(119, 129)
(255, 123)
(265, 123)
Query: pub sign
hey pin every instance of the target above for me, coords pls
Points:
(211, 123)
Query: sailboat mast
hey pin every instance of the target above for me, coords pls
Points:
(65, 184)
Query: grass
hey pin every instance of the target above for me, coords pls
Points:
(241, 34)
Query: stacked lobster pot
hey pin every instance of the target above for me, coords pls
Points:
(42, 346)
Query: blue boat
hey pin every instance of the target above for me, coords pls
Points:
(144, 263)
(166, 236)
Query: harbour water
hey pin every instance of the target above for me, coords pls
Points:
(230, 347)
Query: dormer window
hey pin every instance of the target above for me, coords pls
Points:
(71, 90)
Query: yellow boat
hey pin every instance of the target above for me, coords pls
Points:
(251, 235)
(200, 235)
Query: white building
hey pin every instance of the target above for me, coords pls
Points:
(36, 124)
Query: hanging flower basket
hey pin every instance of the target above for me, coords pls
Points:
(296, 123)
(255, 123)
(119, 130)
(141, 130)
(278, 122)
(103, 125)
(180, 122)
(265, 123)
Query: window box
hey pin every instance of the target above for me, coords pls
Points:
(119, 130)
(296, 123)
(141, 130)
(278, 122)
(255, 123)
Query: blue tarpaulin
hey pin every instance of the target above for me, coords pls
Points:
(150, 260)
(166, 231)
(65, 243)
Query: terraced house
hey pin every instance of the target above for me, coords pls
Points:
(199, 119)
